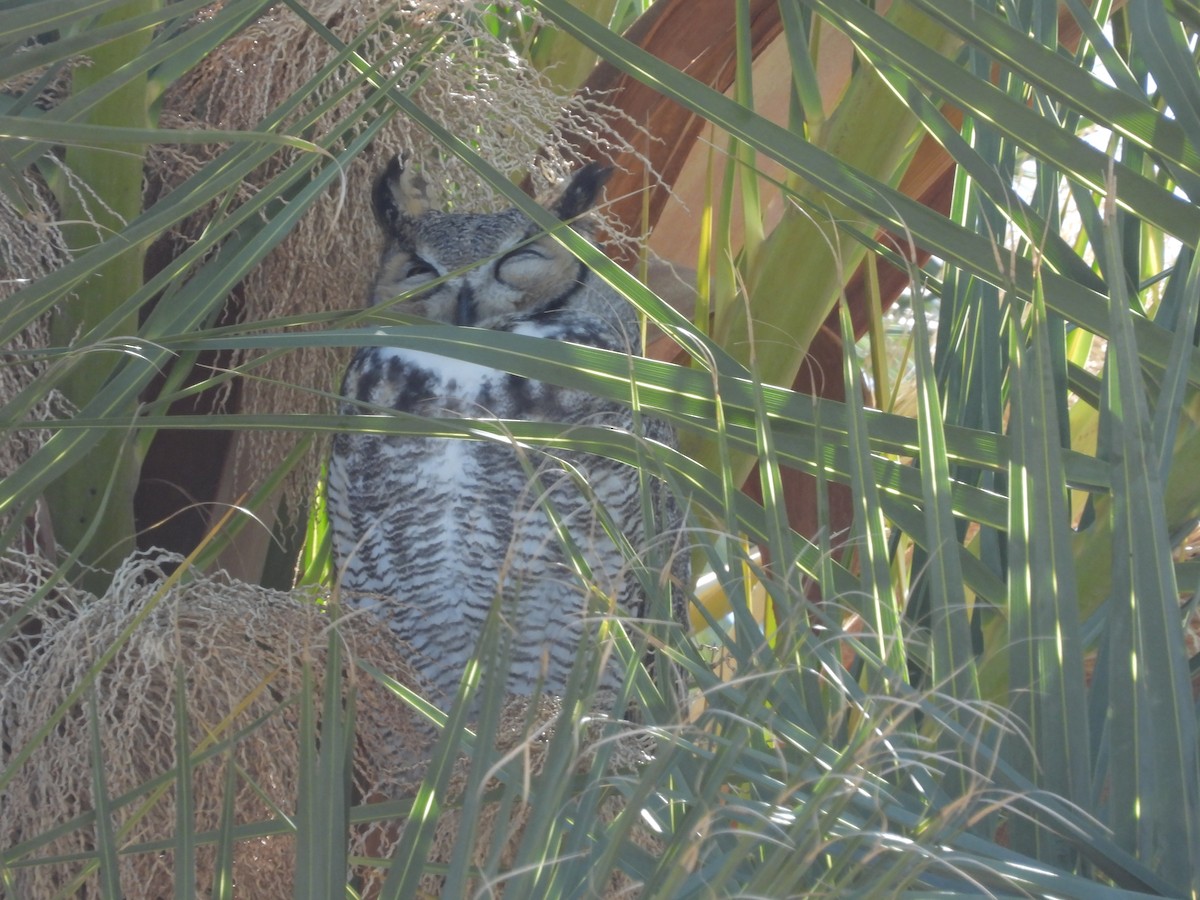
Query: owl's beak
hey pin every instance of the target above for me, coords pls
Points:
(464, 309)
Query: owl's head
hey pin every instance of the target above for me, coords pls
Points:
(484, 268)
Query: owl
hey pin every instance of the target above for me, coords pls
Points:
(428, 532)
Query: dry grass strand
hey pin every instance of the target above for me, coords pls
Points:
(242, 650)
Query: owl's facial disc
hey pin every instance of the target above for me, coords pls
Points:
(515, 276)
(476, 269)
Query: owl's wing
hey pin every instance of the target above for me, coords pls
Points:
(559, 404)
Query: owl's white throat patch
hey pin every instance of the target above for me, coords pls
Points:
(459, 382)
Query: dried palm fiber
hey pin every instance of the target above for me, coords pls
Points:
(31, 246)
(35, 604)
(241, 649)
(471, 82)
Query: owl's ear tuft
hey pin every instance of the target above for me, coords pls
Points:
(400, 193)
(581, 192)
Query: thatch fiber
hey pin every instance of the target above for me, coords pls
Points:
(242, 650)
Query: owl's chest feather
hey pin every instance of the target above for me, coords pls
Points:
(421, 383)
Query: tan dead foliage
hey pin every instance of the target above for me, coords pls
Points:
(241, 650)
(31, 246)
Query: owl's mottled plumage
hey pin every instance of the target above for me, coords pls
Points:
(427, 530)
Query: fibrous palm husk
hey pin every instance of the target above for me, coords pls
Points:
(31, 246)
(241, 650)
(528, 737)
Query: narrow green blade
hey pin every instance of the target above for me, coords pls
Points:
(1154, 765)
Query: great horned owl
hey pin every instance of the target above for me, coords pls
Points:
(428, 531)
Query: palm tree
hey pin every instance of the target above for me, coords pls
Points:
(943, 639)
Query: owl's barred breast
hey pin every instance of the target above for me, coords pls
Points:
(434, 528)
